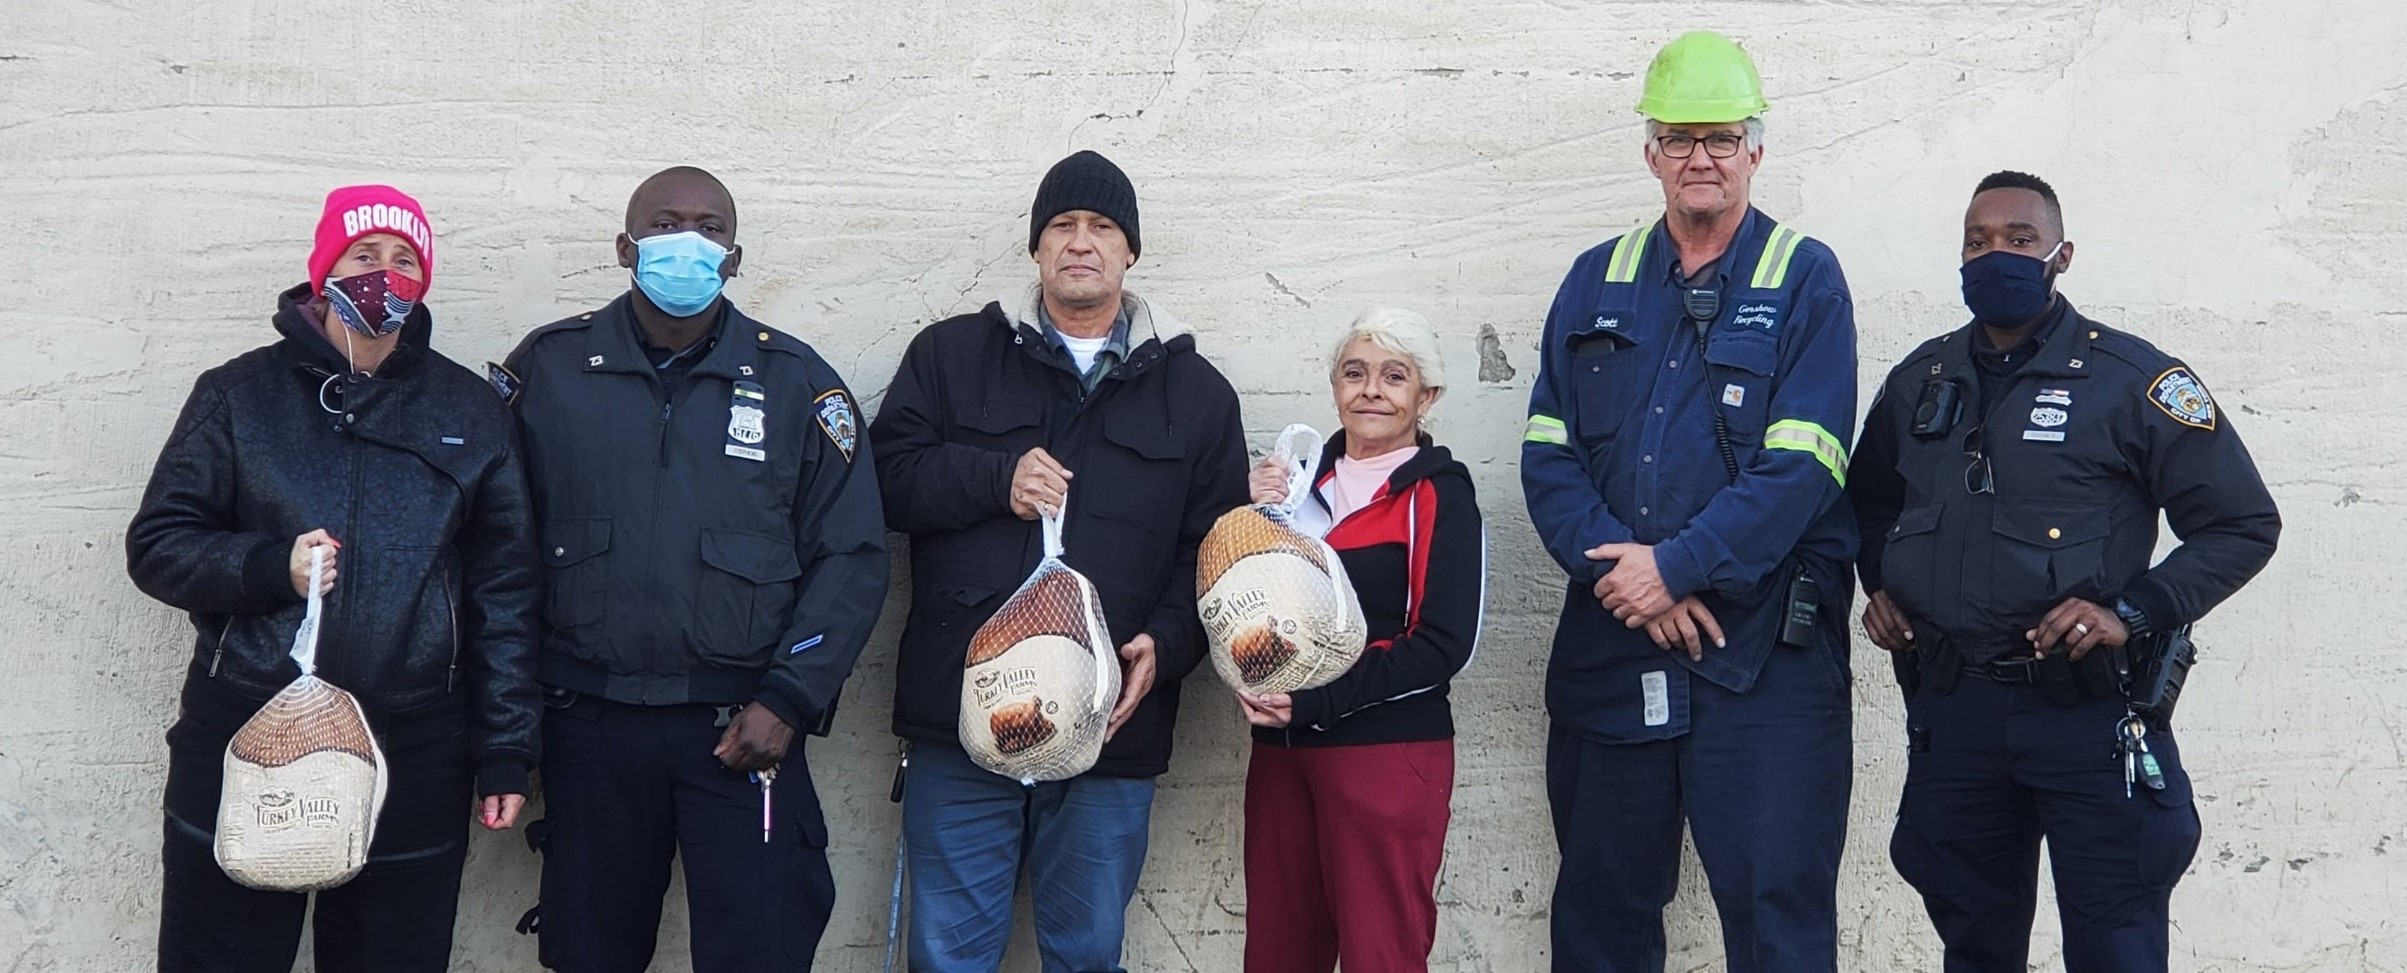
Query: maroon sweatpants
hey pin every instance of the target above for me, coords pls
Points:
(1342, 846)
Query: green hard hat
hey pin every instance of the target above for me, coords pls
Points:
(1701, 77)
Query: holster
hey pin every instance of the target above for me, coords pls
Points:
(1941, 664)
(2156, 667)
(1907, 667)
(2068, 682)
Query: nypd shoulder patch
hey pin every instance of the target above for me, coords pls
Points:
(505, 383)
(835, 413)
(2180, 395)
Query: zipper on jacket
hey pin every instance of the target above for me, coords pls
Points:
(357, 474)
(220, 655)
(451, 679)
(665, 408)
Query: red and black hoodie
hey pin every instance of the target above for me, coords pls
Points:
(1418, 558)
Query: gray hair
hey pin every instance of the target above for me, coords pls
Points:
(1400, 331)
(1753, 124)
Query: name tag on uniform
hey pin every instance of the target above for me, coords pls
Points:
(2044, 435)
(747, 415)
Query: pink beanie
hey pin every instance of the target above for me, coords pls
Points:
(357, 211)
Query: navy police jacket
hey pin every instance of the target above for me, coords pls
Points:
(2089, 440)
(1621, 447)
(721, 546)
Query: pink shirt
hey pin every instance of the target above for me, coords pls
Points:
(1358, 481)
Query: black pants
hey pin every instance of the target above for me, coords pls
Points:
(394, 918)
(1994, 770)
(628, 788)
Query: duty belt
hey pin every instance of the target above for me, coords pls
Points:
(2014, 672)
(1938, 662)
(2066, 680)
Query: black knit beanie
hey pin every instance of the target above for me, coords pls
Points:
(1086, 181)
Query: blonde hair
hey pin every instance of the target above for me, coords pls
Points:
(1400, 331)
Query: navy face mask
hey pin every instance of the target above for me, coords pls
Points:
(2005, 290)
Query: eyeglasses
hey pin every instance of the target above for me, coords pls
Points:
(1720, 145)
(1976, 473)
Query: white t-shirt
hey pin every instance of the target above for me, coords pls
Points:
(1084, 350)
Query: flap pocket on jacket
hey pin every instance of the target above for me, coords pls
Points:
(759, 558)
(1142, 433)
(943, 609)
(578, 581)
(958, 594)
(2048, 551)
(1909, 564)
(997, 419)
(2050, 525)
(1916, 520)
(568, 540)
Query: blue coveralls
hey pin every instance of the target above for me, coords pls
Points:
(1752, 745)
(1976, 531)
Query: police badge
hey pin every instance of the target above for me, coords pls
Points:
(747, 411)
(835, 419)
(2180, 395)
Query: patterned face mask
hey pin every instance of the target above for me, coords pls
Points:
(374, 304)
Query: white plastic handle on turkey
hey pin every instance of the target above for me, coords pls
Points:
(1302, 470)
(1051, 518)
(305, 639)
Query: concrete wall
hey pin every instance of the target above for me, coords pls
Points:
(2230, 169)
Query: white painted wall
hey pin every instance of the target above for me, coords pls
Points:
(2230, 168)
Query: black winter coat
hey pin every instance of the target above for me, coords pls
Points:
(1157, 452)
(2084, 446)
(415, 471)
(721, 545)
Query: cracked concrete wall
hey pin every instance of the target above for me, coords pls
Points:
(2230, 169)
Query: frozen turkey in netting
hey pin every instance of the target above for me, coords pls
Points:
(304, 780)
(1041, 676)
(1276, 605)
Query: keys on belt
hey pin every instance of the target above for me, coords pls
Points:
(2131, 745)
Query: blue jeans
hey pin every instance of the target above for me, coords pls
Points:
(968, 831)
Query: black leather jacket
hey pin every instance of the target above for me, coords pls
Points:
(416, 471)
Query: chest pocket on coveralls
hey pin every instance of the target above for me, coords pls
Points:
(1738, 366)
(1608, 381)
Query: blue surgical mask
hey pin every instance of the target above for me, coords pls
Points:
(2004, 289)
(680, 271)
